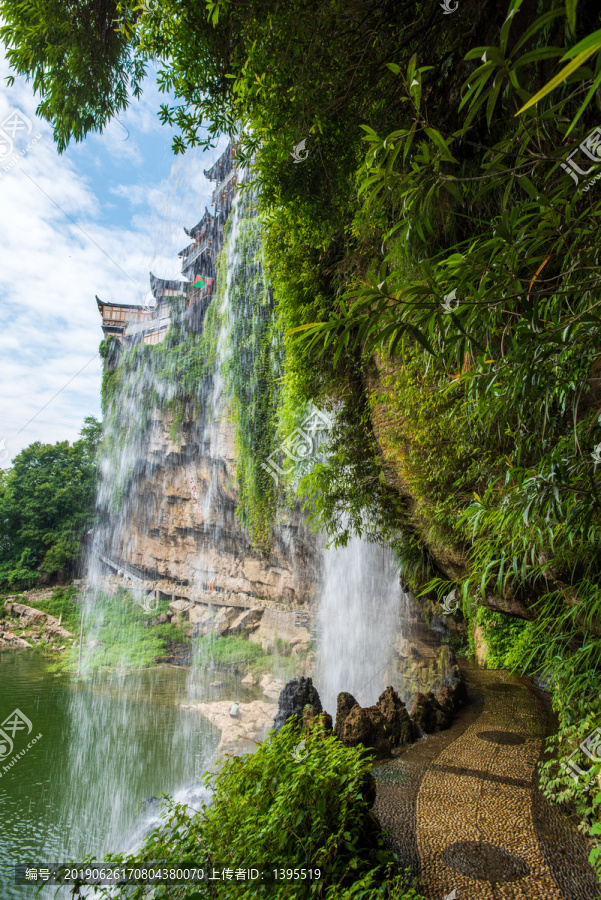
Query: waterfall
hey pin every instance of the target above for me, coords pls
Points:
(131, 736)
(173, 507)
(359, 617)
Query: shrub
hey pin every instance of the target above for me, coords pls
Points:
(269, 811)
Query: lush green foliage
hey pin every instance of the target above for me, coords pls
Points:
(234, 650)
(251, 370)
(347, 492)
(239, 654)
(508, 640)
(46, 507)
(271, 811)
(454, 244)
(175, 375)
(178, 373)
(576, 722)
(80, 65)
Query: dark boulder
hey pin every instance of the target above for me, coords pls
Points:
(426, 713)
(436, 712)
(380, 728)
(398, 722)
(344, 704)
(444, 698)
(453, 696)
(367, 727)
(310, 716)
(294, 696)
(459, 690)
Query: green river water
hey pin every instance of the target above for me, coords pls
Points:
(105, 746)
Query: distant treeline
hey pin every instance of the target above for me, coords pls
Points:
(46, 508)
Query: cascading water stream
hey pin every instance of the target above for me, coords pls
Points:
(132, 734)
(360, 611)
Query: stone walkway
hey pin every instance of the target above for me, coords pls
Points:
(464, 811)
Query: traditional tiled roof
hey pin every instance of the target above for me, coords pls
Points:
(101, 303)
(207, 220)
(220, 169)
(161, 284)
(198, 258)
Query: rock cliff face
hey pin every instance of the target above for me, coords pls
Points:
(179, 520)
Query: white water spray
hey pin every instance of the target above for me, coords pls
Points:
(359, 616)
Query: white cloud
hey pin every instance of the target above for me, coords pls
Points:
(64, 237)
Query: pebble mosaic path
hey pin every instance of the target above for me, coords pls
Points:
(463, 809)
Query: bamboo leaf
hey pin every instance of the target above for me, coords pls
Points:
(592, 41)
(440, 142)
(571, 14)
(561, 76)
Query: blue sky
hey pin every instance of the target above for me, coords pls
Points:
(95, 220)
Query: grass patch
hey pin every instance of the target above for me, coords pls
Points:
(124, 641)
(229, 651)
(238, 652)
(61, 603)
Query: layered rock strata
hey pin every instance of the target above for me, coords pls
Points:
(37, 625)
(179, 522)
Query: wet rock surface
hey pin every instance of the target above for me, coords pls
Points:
(396, 718)
(367, 727)
(435, 712)
(344, 704)
(387, 726)
(427, 714)
(382, 727)
(239, 733)
(164, 526)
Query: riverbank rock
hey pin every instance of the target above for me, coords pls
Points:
(181, 608)
(239, 735)
(37, 621)
(271, 687)
(53, 631)
(27, 613)
(246, 622)
(295, 695)
(224, 619)
(10, 641)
